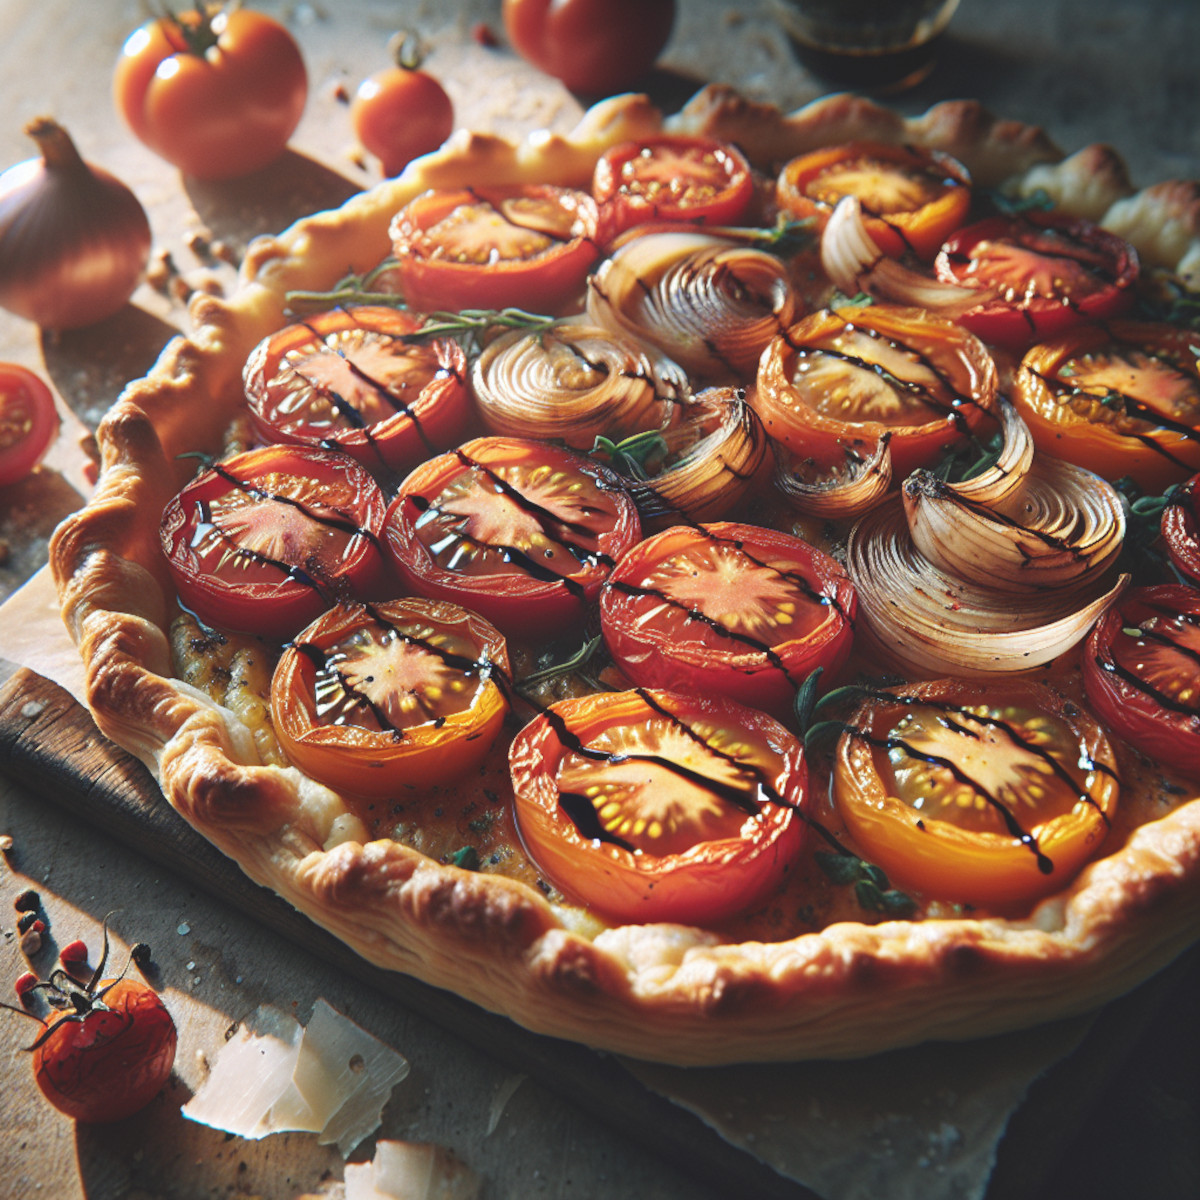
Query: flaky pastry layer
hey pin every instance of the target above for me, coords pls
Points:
(666, 993)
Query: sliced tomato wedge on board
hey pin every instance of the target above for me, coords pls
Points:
(1141, 668)
(912, 199)
(1122, 398)
(656, 806)
(525, 247)
(986, 795)
(1044, 274)
(28, 422)
(265, 541)
(730, 610)
(522, 532)
(373, 699)
(359, 381)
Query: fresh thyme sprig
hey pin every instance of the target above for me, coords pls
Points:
(568, 666)
(632, 455)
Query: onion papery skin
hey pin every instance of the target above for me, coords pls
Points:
(928, 623)
(717, 456)
(855, 262)
(843, 491)
(1025, 523)
(573, 383)
(709, 303)
(74, 240)
(801, 414)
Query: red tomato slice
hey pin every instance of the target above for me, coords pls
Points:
(1141, 668)
(655, 806)
(1121, 398)
(1051, 273)
(265, 541)
(526, 247)
(840, 379)
(28, 422)
(352, 380)
(727, 609)
(1180, 529)
(518, 531)
(373, 698)
(692, 179)
(989, 797)
(912, 199)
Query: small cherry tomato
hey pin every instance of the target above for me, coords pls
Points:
(1122, 398)
(216, 92)
(529, 247)
(840, 379)
(265, 541)
(108, 1054)
(371, 699)
(1139, 669)
(28, 422)
(989, 797)
(521, 532)
(673, 179)
(729, 610)
(655, 806)
(912, 199)
(1048, 274)
(355, 380)
(400, 113)
(1180, 528)
(596, 47)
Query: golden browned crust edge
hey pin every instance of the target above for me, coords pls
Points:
(657, 992)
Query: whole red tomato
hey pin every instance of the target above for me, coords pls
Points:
(216, 93)
(595, 47)
(106, 1057)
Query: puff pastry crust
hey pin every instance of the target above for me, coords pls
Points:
(667, 993)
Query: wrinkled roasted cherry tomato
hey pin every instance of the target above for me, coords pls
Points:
(991, 795)
(1180, 527)
(1122, 398)
(656, 806)
(912, 199)
(521, 532)
(730, 610)
(266, 540)
(371, 699)
(356, 380)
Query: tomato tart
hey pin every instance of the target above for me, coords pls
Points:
(693, 585)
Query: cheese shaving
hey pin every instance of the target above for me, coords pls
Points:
(411, 1171)
(331, 1078)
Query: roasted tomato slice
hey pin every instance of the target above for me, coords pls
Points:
(654, 806)
(1180, 527)
(1043, 275)
(265, 541)
(371, 699)
(1118, 399)
(519, 531)
(693, 179)
(727, 609)
(912, 199)
(1141, 668)
(28, 422)
(357, 380)
(530, 247)
(991, 798)
(838, 380)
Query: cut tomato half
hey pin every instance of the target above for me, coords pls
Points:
(374, 699)
(1180, 527)
(357, 380)
(654, 806)
(990, 798)
(730, 610)
(264, 541)
(519, 531)
(28, 422)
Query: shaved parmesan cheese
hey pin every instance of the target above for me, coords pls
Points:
(411, 1171)
(332, 1078)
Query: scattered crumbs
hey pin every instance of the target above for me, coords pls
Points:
(184, 929)
(6, 843)
(33, 708)
(190, 967)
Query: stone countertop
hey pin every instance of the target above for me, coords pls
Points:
(1121, 71)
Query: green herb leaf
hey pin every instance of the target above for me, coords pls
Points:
(467, 857)
(577, 660)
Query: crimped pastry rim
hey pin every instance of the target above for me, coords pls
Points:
(662, 993)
